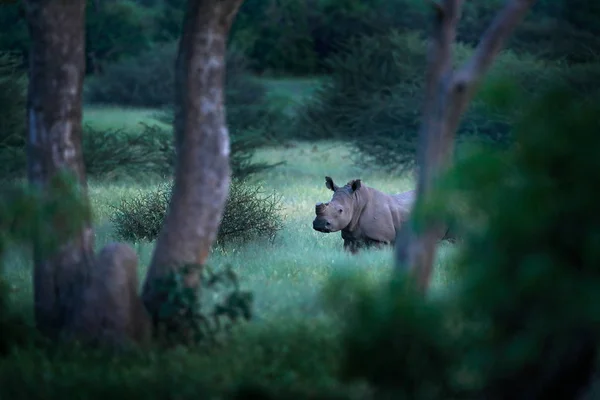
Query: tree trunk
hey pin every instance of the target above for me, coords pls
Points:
(202, 171)
(57, 64)
(447, 96)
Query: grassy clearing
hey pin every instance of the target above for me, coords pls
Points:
(292, 343)
(286, 276)
(115, 117)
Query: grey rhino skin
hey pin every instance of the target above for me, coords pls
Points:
(365, 216)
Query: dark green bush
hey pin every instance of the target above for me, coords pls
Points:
(110, 154)
(287, 359)
(115, 153)
(12, 116)
(115, 30)
(522, 317)
(395, 339)
(140, 217)
(295, 36)
(14, 37)
(148, 80)
(374, 96)
(250, 214)
(27, 218)
(12, 102)
(529, 270)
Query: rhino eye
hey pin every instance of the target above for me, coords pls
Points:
(340, 210)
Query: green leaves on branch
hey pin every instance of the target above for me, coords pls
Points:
(182, 317)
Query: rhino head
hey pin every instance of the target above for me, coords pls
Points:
(337, 213)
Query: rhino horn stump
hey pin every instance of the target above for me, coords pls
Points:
(320, 207)
(112, 312)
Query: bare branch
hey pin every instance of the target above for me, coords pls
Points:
(438, 75)
(446, 98)
(467, 79)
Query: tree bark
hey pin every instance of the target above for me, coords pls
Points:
(202, 171)
(57, 64)
(447, 96)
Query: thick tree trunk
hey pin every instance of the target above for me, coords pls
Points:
(447, 96)
(57, 64)
(202, 173)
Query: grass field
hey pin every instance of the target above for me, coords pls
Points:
(287, 276)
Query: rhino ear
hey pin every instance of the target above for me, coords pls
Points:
(329, 183)
(355, 184)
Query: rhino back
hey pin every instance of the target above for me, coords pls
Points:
(379, 218)
(405, 200)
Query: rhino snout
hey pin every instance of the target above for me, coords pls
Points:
(321, 225)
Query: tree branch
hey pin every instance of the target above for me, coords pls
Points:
(446, 99)
(411, 250)
(467, 79)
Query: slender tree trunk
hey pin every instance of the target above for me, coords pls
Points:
(57, 64)
(447, 96)
(202, 172)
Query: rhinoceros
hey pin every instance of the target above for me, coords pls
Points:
(366, 216)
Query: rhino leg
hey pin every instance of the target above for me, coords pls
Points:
(351, 245)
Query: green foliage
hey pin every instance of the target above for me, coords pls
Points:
(12, 116)
(28, 218)
(169, 20)
(111, 154)
(374, 95)
(250, 214)
(115, 153)
(146, 80)
(395, 339)
(115, 30)
(529, 267)
(141, 217)
(12, 102)
(280, 360)
(14, 37)
(298, 36)
(184, 319)
(548, 262)
(522, 319)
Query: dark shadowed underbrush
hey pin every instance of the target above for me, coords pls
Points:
(148, 79)
(111, 154)
(277, 360)
(27, 218)
(250, 214)
(148, 153)
(12, 113)
(536, 282)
